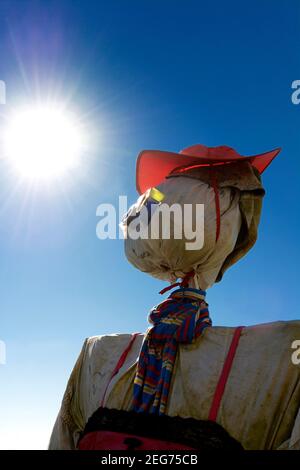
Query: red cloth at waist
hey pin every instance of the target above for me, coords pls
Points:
(108, 440)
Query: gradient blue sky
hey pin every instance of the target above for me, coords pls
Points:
(151, 74)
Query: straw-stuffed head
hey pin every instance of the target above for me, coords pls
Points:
(198, 212)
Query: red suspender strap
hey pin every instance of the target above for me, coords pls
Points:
(120, 363)
(213, 413)
(214, 184)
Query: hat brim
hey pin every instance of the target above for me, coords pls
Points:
(153, 166)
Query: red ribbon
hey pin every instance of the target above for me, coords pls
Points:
(183, 283)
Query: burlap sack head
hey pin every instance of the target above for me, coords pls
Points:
(240, 195)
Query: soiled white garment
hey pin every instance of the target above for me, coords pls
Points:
(261, 402)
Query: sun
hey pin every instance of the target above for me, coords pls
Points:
(43, 142)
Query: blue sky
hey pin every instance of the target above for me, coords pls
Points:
(145, 74)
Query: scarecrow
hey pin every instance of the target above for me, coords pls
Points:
(186, 384)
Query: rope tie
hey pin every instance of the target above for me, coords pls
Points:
(183, 283)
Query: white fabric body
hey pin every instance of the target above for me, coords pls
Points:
(260, 405)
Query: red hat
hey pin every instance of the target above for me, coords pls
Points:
(153, 166)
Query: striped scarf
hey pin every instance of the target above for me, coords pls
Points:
(179, 319)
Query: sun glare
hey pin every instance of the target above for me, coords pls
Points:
(43, 142)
